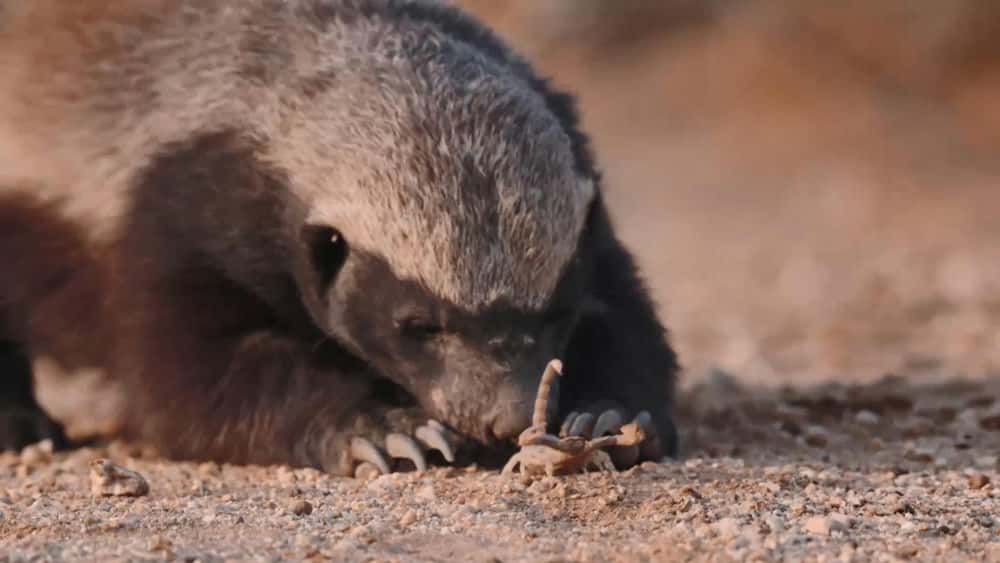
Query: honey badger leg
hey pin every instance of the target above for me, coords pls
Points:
(619, 365)
(22, 420)
(265, 399)
(50, 285)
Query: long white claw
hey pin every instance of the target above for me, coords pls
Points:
(363, 449)
(366, 471)
(432, 436)
(609, 422)
(402, 446)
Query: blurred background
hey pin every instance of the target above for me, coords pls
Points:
(810, 186)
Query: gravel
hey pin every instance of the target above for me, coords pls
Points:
(917, 486)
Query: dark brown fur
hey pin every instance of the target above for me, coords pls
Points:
(52, 296)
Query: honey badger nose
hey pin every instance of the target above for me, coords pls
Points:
(515, 404)
(510, 423)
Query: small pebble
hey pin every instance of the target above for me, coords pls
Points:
(302, 508)
(108, 479)
(978, 480)
(867, 417)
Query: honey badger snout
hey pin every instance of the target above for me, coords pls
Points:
(515, 404)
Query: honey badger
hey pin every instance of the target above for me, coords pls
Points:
(315, 232)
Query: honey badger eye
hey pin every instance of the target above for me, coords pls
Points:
(327, 251)
(419, 328)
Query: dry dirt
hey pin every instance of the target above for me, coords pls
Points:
(893, 470)
(812, 190)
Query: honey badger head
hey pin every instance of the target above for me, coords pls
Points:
(432, 198)
(442, 206)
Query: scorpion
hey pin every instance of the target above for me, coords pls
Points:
(541, 452)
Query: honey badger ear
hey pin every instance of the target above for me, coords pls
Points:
(326, 249)
(324, 252)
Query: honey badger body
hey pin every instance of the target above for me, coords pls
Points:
(317, 221)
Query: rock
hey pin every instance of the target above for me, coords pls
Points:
(867, 417)
(302, 508)
(978, 480)
(108, 479)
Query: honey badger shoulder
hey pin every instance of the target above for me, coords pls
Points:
(329, 222)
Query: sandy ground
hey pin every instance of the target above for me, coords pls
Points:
(813, 193)
(882, 472)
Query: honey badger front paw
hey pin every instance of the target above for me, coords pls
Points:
(370, 459)
(395, 440)
(602, 419)
(21, 426)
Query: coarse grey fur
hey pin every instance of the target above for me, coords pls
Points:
(356, 111)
